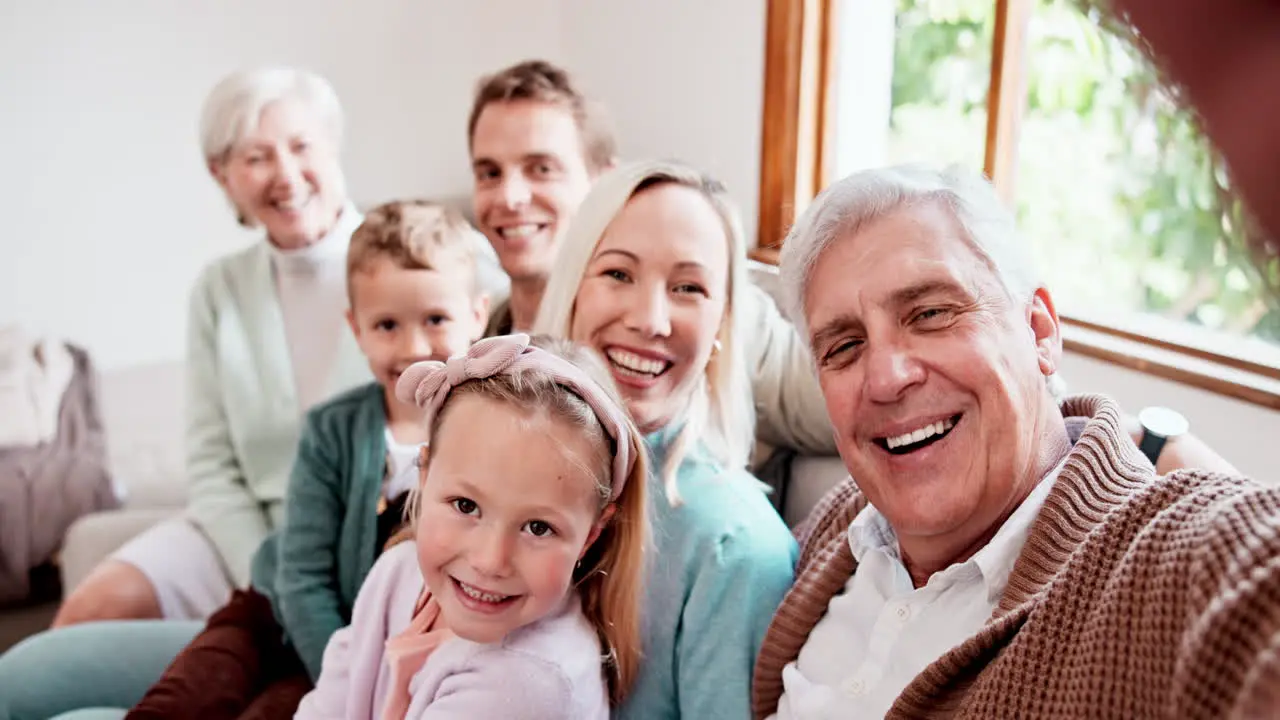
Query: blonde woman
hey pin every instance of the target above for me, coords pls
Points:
(651, 275)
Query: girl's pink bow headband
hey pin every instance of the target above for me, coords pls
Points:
(428, 383)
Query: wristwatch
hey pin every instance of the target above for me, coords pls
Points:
(1159, 426)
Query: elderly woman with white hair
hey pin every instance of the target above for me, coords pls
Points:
(266, 341)
(651, 275)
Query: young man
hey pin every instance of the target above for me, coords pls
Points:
(537, 144)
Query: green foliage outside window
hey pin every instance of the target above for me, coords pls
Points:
(1116, 187)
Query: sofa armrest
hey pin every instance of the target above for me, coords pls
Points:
(811, 477)
(94, 537)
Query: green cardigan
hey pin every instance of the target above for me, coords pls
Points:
(242, 416)
(313, 566)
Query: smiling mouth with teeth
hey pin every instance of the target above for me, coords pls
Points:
(481, 596)
(633, 365)
(290, 205)
(918, 438)
(520, 232)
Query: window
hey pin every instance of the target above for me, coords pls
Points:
(1133, 223)
(912, 79)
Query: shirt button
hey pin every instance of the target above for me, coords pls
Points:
(903, 612)
(855, 688)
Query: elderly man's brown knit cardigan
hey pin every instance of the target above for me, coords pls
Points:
(1134, 597)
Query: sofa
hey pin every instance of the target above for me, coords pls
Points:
(142, 410)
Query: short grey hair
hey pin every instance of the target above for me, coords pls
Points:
(852, 203)
(233, 107)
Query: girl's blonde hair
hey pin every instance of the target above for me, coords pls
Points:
(610, 577)
(721, 414)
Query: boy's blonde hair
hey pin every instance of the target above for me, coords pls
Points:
(415, 235)
(610, 577)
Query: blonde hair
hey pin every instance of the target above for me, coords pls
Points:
(540, 81)
(721, 414)
(610, 577)
(415, 235)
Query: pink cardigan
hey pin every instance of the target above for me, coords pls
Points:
(550, 669)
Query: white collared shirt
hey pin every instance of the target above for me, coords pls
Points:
(881, 632)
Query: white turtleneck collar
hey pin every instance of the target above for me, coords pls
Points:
(312, 290)
(328, 252)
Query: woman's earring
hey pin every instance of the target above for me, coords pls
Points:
(715, 347)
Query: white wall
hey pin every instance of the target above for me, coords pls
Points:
(112, 216)
(1242, 432)
(682, 79)
(99, 167)
(111, 213)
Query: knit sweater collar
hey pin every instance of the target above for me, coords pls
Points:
(1103, 469)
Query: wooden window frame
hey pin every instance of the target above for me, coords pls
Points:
(794, 148)
(799, 74)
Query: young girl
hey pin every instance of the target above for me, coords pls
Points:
(520, 597)
(413, 294)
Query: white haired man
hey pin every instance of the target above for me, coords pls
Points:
(1003, 554)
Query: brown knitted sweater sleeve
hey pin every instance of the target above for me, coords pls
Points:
(1229, 662)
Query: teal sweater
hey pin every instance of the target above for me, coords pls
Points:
(723, 560)
(313, 566)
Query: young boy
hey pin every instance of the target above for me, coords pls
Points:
(414, 295)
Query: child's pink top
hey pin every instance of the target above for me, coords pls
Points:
(550, 669)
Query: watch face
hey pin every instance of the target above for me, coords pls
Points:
(1163, 421)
